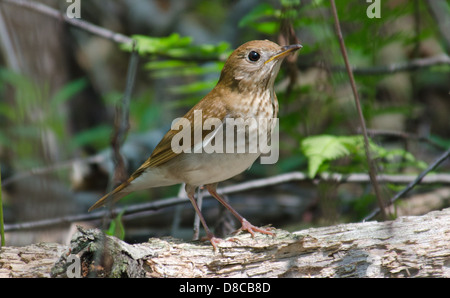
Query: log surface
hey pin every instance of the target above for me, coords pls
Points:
(410, 246)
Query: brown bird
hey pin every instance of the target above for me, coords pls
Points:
(245, 90)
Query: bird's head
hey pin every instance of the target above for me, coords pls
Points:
(255, 64)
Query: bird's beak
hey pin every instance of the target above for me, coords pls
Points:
(285, 50)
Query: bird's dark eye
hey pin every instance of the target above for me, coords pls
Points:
(254, 56)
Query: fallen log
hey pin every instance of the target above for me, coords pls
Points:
(410, 246)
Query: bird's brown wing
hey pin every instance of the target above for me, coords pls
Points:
(210, 107)
(163, 151)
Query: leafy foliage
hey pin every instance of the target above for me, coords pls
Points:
(182, 58)
(34, 115)
(255, 19)
(176, 47)
(321, 150)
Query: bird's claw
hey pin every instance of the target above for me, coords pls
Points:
(247, 226)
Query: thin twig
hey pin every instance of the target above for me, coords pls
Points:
(98, 158)
(405, 136)
(121, 129)
(411, 65)
(288, 36)
(153, 206)
(122, 124)
(237, 188)
(370, 161)
(79, 23)
(196, 234)
(6, 44)
(439, 11)
(2, 225)
(411, 185)
(177, 214)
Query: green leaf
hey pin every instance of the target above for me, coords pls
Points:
(269, 27)
(116, 227)
(288, 3)
(172, 68)
(263, 18)
(7, 111)
(319, 149)
(262, 10)
(155, 45)
(444, 143)
(194, 87)
(176, 47)
(165, 64)
(68, 91)
(97, 136)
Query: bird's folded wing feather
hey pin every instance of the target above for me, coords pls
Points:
(163, 151)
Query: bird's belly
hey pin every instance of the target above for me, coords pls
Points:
(201, 169)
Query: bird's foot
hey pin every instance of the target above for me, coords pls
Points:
(214, 240)
(247, 226)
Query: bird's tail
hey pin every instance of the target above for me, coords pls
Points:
(113, 196)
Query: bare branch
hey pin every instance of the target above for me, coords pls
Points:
(406, 136)
(246, 186)
(370, 161)
(399, 67)
(440, 11)
(78, 23)
(122, 125)
(98, 158)
(416, 181)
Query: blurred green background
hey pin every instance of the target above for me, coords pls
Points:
(60, 87)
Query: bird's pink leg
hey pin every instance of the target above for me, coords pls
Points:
(246, 225)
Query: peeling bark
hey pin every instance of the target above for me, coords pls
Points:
(29, 261)
(410, 246)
